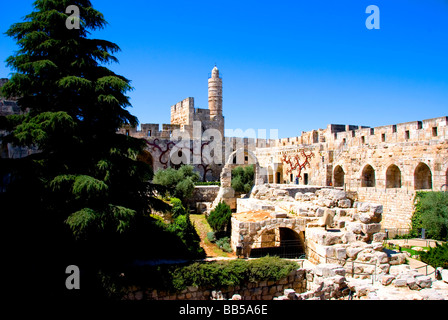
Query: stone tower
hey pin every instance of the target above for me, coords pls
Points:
(215, 100)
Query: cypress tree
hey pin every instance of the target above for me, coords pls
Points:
(82, 198)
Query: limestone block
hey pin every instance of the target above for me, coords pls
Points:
(412, 284)
(354, 227)
(340, 212)
(366, 255)
(423, 281)
(290, 294)
(348, 237)
(329, 270)
(444, 274)
(371, 228)
(397, 258)
(381, 257)
(398, 269)
(377, 246)
(400, 282)
(337, 194)
(280, 193)
(376, 208)
(379, 237)
(352, 252)
(387, 279)
(340, 224)
(344, 203)
(320, 212)
(363, 207)
(340, 253)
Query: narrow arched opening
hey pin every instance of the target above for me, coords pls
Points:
(422, 177)
(393, 177)
(339, 176)
(368, 177)
(281, 242)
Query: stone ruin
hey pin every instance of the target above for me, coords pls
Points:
(342, 237)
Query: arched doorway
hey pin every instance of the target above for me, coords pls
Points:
(368, 177)
(393, 177)
(281, 242)
(422, 177)
(146, 157)
(339, 176)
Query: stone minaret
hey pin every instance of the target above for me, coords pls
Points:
(215, 100)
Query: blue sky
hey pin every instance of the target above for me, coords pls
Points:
(287, 65)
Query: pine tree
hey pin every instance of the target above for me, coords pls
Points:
(84, 190)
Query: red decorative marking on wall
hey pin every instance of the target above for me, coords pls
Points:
(294, 163)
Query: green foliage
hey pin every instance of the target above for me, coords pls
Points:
(219, 218)
(231, 273)
(224, 244)
(243, 178)
(179, 183)
(436, 257)
(83, 198)
(211, 236)
(431, 213)
(207, 183)
(177, 208)
(183, 228)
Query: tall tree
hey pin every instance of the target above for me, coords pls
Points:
(84, 190)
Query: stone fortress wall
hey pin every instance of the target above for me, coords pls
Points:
(385, 164)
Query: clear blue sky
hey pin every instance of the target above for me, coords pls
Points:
(287, 65)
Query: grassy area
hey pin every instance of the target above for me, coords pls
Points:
(202, 227)
(412, 252)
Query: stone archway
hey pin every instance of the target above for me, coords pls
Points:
(249, 235)
(393, 177)
(253, 160)
(422, 177)
(146, 157)
(338, 177)
(226, 192)
(368, 177)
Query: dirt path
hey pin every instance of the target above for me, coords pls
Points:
(202, 227)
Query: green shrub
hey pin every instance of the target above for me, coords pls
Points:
(219, 218)
(207, 183)
(177, 208)
(179, 183)
(211, 236)
(243, 178)
(436, 257)
(224, 244)
(231, 273)
(431, 213)
(185, 230)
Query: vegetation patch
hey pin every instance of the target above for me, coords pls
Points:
(437, 256)
(243, 179)
(431, 214)
(212, 274)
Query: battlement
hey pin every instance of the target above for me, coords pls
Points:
(338, 134)
(182, 113)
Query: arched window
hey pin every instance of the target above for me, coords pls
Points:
(368, 176)
(393, 177)
(422, 177)
(339, 176)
